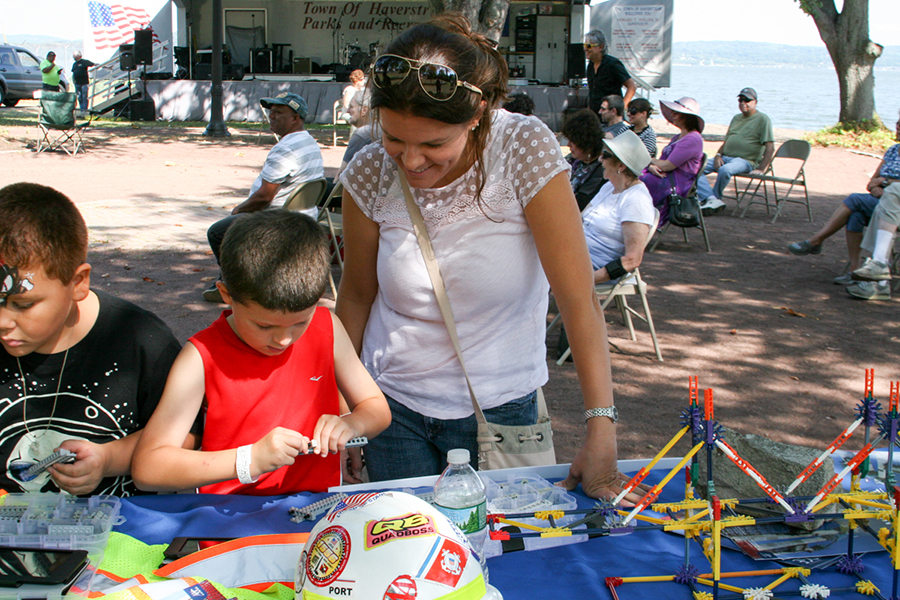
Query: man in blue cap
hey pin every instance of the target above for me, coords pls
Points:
(295, 159)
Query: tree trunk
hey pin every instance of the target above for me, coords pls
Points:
(485, 16)
(846, 36)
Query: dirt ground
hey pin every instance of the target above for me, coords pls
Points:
(782, 347)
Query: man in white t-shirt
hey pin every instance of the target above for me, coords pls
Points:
(295, 159)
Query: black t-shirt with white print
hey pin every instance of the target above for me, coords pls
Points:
(111, 383)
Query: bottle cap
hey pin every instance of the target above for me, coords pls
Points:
(458, 456)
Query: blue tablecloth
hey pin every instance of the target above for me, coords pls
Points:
(573, 571)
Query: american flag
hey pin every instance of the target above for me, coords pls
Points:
(114, 24)
(351, 503)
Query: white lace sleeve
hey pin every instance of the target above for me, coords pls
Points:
(362, 175)
(528, 154)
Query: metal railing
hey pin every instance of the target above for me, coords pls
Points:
(110, 84)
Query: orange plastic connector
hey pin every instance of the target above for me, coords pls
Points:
(895, 395)
(870, 382)
(694, 387)
(708, 402)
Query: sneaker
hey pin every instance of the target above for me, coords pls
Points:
(872, 270)
(844, 279)
(803, 248)
(712, 206)
(212, 294)
(870, 290)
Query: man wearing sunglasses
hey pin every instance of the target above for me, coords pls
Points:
(748, 148)
(294, 160)
(606, 74)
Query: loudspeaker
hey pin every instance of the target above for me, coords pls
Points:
(126, 57)
(303, 66)
(143, 110)
(575, 65)
(143, 46)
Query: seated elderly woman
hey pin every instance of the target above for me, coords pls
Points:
(680, 159)
(618, 219)
(585, 135)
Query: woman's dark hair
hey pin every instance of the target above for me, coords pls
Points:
(691, 122)
(641, 105)
(448, 40)
(520, 103)
(585, 131)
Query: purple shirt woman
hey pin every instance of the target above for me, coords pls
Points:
(680, 159)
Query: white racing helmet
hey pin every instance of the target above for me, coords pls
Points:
(388, 546)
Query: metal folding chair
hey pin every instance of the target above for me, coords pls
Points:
(337, 111)
(797, 150)
(628, 285)
(57, 123)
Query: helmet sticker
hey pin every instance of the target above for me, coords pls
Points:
(328, 556)
(402, 588)
(445, 563)
(352, 503)
(394, 528)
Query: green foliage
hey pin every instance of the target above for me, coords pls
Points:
(870, 135)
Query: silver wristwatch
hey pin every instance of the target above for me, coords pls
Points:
(606, 411)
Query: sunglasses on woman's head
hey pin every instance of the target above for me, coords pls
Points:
(605, 154)
(439, 82)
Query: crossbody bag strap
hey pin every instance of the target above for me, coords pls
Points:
(437, 282)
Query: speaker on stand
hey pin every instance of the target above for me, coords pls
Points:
(143, 46)
(126, 63)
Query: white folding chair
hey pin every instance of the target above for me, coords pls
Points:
(337, 111)
(628, 285)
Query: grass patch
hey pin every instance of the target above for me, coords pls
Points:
(869, 136)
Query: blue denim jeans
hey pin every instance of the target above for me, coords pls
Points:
(861, 207)
(415, 445)
(733, 165)
(81, 90)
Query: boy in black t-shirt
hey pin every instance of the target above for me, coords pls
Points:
(80, 370)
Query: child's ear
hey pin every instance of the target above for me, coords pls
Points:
(81, 282)
(226, 297)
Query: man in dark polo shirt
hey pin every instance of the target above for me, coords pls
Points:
(606, 74)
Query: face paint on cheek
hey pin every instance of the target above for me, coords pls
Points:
(11, 284)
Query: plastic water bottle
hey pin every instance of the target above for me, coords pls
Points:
(460, 495)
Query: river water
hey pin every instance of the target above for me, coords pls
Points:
(805, 98)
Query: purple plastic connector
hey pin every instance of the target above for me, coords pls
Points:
(799, 517)
(868, 409)
(622, 530)
(686, 574)
(850, 565)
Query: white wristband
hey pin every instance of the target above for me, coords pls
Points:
(242, 464)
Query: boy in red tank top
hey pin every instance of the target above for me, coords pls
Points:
(267, 374)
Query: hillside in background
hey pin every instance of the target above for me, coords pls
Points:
(759, 54)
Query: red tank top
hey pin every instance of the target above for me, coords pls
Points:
(248, 394)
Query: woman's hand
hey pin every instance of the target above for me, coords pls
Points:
(656, 171)
(595, 466)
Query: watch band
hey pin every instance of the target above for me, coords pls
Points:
(611, 412)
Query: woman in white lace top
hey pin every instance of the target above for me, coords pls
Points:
(494, 191)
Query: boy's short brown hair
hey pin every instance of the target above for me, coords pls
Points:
(277, 259)
(40, 226)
